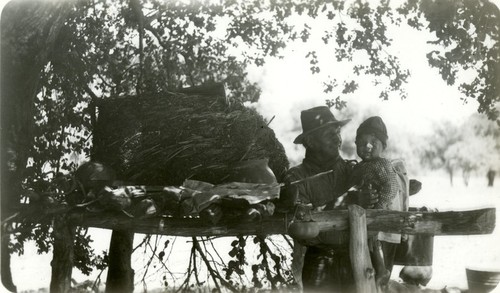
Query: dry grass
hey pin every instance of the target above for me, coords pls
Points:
(163, 139)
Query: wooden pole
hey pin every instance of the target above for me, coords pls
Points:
(363, 272)
(63, 256)
(6, 274)
(120, 277)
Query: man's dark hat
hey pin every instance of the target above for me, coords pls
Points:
(373, 125)
(317, 118)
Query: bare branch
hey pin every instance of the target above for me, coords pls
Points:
(136, 7)
(146, 238)
(153, 250)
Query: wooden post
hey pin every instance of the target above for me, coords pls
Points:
(363, 272)
(62, 260)
(6, 274)
(120, 273)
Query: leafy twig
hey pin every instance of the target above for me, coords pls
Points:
(213, 273)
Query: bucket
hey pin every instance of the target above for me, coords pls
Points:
(304, 230)
(482, 281)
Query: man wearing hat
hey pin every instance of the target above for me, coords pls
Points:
(322, 267)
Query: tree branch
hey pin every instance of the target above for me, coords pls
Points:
(265, 263)
(146, 238)
(195, 268)
(189, 270)
(136, 7)
(153, 250)
(287, 240)
(92, 105)
(213, 273)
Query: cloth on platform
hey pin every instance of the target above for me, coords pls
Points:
(198, 195)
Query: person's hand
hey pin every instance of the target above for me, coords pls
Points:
(365, 197)
(330, 205)
(288, 198)
(369, 197)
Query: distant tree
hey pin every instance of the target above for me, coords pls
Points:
(440, 153)
(464, 155)
(481, 147)
(471, 146)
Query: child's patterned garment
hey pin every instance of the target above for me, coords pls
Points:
(381, 175)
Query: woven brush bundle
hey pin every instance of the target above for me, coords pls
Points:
(163, 139)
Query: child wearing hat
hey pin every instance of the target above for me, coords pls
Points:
(377, 172)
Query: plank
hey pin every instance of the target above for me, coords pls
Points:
(181, 226)
(469, 222)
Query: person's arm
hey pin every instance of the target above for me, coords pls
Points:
(359, 193)
(388, 185)
(292, 194)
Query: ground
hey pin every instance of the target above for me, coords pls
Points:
(452, 254)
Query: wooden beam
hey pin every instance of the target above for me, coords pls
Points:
(362, 268)
(472, 222)
(187, 227)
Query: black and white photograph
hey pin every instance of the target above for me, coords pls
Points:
(347, 146)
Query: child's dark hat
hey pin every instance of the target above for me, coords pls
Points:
(317, 118)
(373, 125)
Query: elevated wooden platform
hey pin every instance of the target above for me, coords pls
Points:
(471, 222)
(466, 222)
